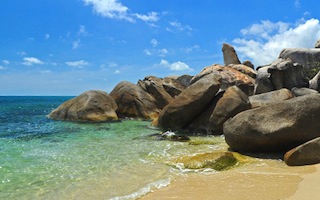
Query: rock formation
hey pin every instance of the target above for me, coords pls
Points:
(229, 55)
(268, 98)
(277, 127)
(90, 106)
(308, 58)
(305, 154)
(189, 104)
(134, 102)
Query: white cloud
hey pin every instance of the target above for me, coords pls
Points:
(163, 52)
(176, 66)
(21, 53)
(82, 31)
(154, 42)
(6, 62)
(297, 3)
(159, 52)
(178, 27)
(150, 17)
(76, 44)
(262, 43)
(109, 9)
(114, 9)
(147, 52)
(29, 61)
(117, 72)
(46, 36)
(2, 67)
(191, 49)
(79, 63)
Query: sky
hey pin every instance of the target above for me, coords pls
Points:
(66, 47)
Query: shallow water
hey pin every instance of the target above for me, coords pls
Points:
(41, 158)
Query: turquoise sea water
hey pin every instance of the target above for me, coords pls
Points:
(45, 159)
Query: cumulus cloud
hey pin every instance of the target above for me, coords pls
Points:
(262, 43)
(29, 61)
(2, 67)
(82, 31)
(79, 63)
(117, 72)
(158, 52)
(114, 9)
(176, 66)
(191, 49)
(46, 36)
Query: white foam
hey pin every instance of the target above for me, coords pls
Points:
(145, 190)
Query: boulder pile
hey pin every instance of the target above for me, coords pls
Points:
(273, 108)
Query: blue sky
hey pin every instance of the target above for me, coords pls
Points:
(65, 47)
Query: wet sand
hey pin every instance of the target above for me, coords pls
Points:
(267, 181)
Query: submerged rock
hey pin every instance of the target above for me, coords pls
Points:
(305, 154)
(90, 106)
(218, 161)
(170, 136)
(275, 128)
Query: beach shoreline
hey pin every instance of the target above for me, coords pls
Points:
(262, 182)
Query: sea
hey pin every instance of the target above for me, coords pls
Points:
(45, 159)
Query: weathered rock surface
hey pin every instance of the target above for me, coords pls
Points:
(314, 83)
(133, 101)
(90, 106)
(154, 86)
(231, 103)
(248, 63)
(189, 104)
(185, 79)
(279, 127)
(280, 74)
(175, 86)
(268, 98)
(229, 77)
(297, 92)
(244, 69)
(229, 55)
(305, 154)
(308, 58)
(218, 161)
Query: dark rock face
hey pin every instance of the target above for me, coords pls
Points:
(90, 106)
(134, 102)
(229, 77)
(185, 80)
(248, 63)
(317, 45)
(308, 58)
(278, 127)
(153, 85)
(305, 154)
(314, 83)
(189, 104)
(175, 86)
(280, 74)
(268, 98)
(231, 103)
(229, 55)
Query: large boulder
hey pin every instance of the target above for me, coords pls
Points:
(268, 98)
(305, 154)
(154, 86)
(278, 127)
(231, 103)
(229, 55)
(282, 73)
(90, 106)
(297, 92)
(229, 77)
(308, 58)
(134, 102)
(314, 83)
(189, 104)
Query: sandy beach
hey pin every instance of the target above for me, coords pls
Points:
(267, 182)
